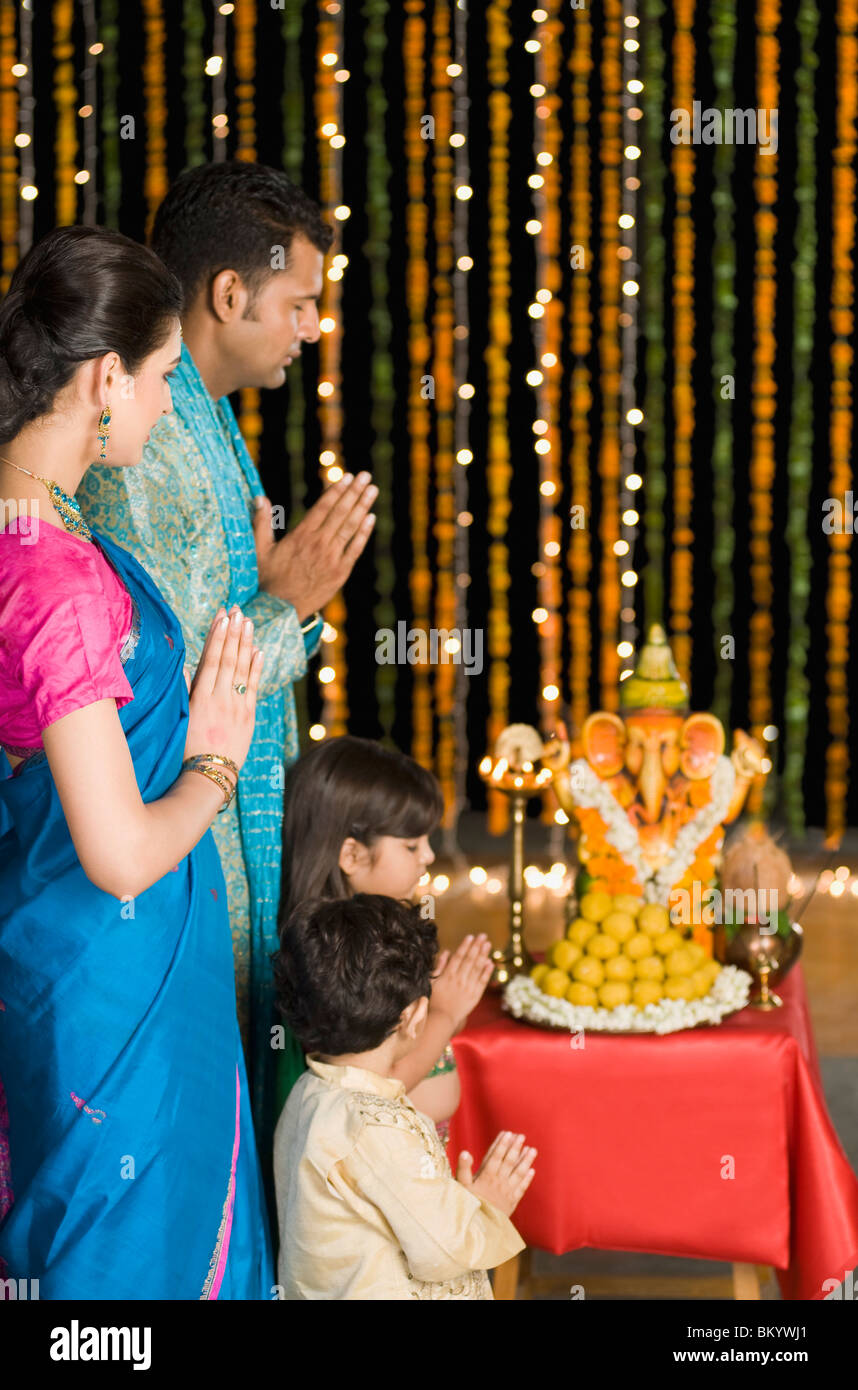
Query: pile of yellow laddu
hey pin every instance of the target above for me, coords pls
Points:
(621, 950)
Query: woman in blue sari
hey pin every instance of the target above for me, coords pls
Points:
(132, 1166)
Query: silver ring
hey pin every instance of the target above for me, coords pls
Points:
(242, 689)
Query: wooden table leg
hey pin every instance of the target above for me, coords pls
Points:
(746, 1283)
(506, 1280)
(768, 1282)
(525, 1274)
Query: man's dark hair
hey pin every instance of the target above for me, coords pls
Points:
(228, 216)
(346, 970)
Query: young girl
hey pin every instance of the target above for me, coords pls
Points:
(358, 820)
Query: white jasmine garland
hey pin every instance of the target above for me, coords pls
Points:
(587, 790)
(524, 999)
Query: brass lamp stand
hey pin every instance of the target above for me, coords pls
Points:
(519, 785)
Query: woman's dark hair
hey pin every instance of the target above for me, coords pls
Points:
(349, 787)
(346, 970)
(229, 216)
(79, 293)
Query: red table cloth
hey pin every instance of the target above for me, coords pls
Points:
(714, 1143)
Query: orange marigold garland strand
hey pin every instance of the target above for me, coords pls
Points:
(683, 156)
(64, 99)
(610, 357)
(155, 87)
(9, 199)
(580, 328)
(419, 349)
(244, 58)
(763, 391)
(250, 418)
(498, 469)
(838, 599)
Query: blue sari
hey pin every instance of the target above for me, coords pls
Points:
(133, 1161)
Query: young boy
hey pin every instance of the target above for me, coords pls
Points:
(366, 1203)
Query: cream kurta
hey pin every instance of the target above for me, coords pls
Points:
(366, 1203)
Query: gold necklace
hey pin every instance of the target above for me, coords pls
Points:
(67, 508)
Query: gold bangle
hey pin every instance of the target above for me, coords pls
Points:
(211, 758)
(225, 785)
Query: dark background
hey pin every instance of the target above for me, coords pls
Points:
(282, 482)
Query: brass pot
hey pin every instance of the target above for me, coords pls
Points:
(766, 958)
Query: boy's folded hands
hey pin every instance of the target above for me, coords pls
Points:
(461, 978)
(504, 1175)
(507, 1170)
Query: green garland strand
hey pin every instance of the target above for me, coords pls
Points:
(377, 251)
(292, 107)
(722, 32)
(110, 163)
(292, 98)
(193, 26)
(800, 454)
(653, 265)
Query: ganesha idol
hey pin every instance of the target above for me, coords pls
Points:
(654, 789)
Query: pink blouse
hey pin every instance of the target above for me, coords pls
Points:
(65, 616)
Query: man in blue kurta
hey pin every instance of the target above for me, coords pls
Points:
(248, 248)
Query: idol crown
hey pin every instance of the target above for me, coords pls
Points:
(655, 682)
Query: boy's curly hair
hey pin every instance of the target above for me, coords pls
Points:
(346, 970)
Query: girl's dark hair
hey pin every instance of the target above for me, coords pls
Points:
(79, 293)
(346, 970)
(230, 216)
(348, 787)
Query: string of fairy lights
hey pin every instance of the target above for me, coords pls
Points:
(87, 182)
(457, 71)
(71, 174)
(331, 75)
(24, 137)
(546, 316)
(87, 114)
(631, 415)
(215, 68)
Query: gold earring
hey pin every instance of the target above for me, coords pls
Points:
(104, 430)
